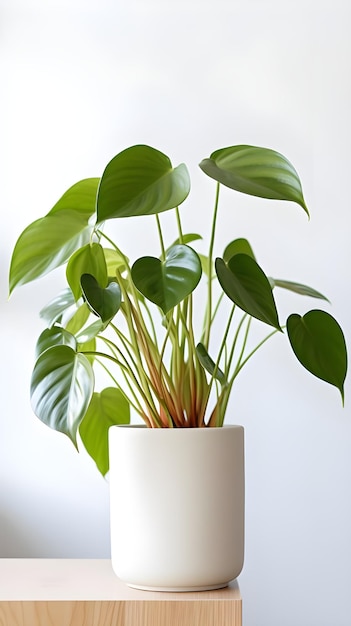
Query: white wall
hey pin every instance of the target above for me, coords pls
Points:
(83, 79)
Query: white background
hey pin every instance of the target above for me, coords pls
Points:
(82, 80)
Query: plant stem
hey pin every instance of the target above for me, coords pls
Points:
(130, 315)
(136, 404)
(238, 329)
(241, 365)
(222, 347)
(163, 251)
(179, 225)
(210, 257)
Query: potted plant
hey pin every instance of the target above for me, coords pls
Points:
(138, 321)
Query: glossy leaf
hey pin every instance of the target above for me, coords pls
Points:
(208, 363)
(246, 285)
(58, 306)
(107, 408)
(104, 302)
(255, 171)
(141, 181)
(90, 332)
(319, 344)
(48, 242)
(89, 259)
(80, 198)
(61, 389)
(54, 336)
(238, 246)
(303, 290)
(167, 283)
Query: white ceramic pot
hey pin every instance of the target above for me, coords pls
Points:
(177, 506)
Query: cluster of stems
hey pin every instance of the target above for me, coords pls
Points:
(166, 383)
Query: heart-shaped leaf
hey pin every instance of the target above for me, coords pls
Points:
(141, 181)
(103, 302)
(255, 171)
(166, 283)
(48, 242)
(107, 408)
(246, 285)
(61, 388)
(303, 290)
(319, 344)
(89, 259)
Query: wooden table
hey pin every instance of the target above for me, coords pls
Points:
(86, 592)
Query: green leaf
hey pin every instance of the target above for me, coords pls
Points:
(61, 388)
(303, 290)
(106, 409)
(208, 363)
(166, 283)
(238, 246)
(319, 344)
(54, 336)
(58, 306)
(88, 334)
(114, 261)
(48, 242)
(78, 319)
(89, 259)
(186, 239)
(104, 302)
(80, 198)
(246, 285)
(141, 181)
(205, 265)
(88, 346)
(255, 171)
